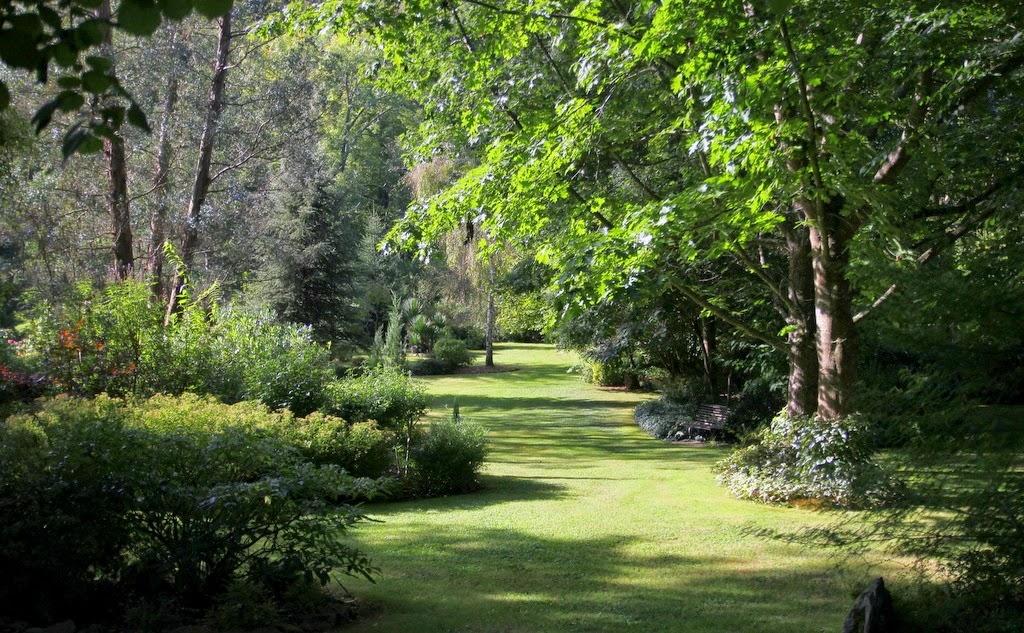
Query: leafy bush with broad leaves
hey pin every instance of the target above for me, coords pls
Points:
(448, 457)
(171, 500)
(384, 394)
(611, 372)
(452, 353)
(114, 341)
(809, 458)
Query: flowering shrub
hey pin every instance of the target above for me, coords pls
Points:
(114, 341)
(808, 458)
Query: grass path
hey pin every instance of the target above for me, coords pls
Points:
(587, 524)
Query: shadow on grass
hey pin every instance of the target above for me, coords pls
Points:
(494, 489)
(498, 579)
(566, 428)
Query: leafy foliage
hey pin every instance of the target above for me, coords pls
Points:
(447, 459)
(162, 500)
(452, 353)
(386, 395)
(40, 35)
(113, 340)
(809, 459)
(524, 317)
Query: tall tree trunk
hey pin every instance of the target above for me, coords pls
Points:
(708, 343)
(491, 316)
(117, 179)
(802, 397)
(201, 182)
(836, 335)
(158, 222)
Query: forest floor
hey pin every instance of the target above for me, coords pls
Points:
(585, 523)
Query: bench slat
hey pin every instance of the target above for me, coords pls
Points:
(711, 416)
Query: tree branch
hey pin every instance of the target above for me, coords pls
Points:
(727, 316)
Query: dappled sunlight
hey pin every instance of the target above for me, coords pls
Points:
(586, 523)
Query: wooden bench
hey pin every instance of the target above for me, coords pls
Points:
(709, 417)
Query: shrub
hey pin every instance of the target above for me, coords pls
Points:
(448, 457)
(114, 341)
(613, 372)
(65, 490)
(452, 353)
(662, 418)
(808, 458)
(162, 501)
(362, 449)
(384, 394)
(279, 364)
(472, 335)
(427, 367)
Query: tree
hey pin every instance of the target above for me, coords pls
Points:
(202, 178)
(629, 141)
(39, 35)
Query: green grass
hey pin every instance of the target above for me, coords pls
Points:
(588, 524)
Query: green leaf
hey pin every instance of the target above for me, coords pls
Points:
(5, 96)
(51, 17)
(96, 81)
(213, 8)
(18, 49)
(63, 54)
(101, 64)
(87, 34)
(69, 100)
(28, 23)
(138, 17)
(138, 118)
(69, 82)
(90, 145)
(113, 114)
(175, 9)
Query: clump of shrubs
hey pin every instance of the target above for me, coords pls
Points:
(448, 457)
(115, 341)
(451, 353)
(809, 458)
(170, 503)
(385, 394)
(609, 372)
(663, 418)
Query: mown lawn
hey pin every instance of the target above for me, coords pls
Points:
(588, 524)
